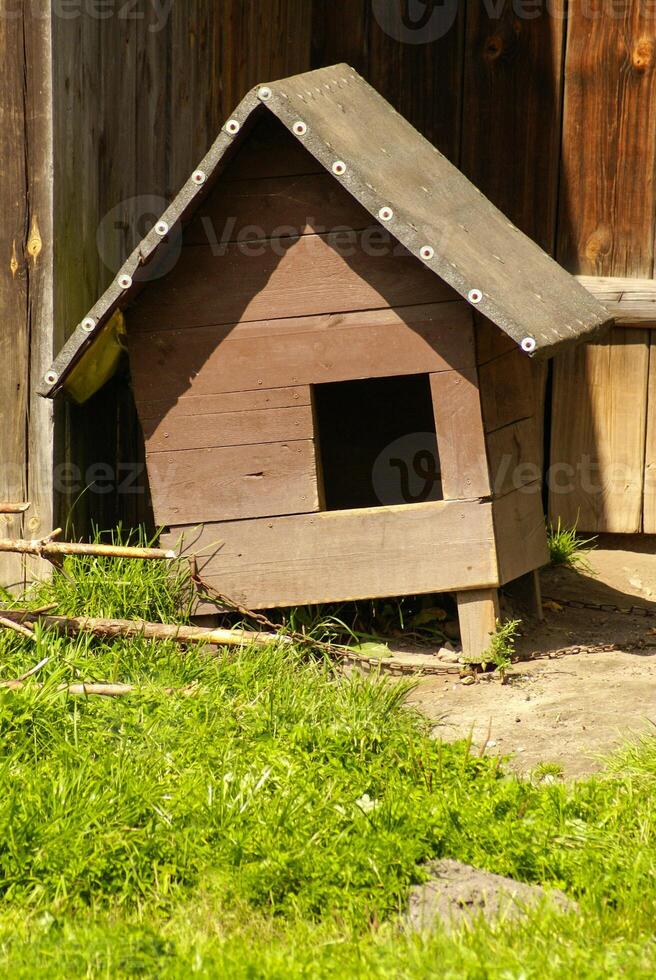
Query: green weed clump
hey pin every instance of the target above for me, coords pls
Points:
(271, 822)
(567, 548)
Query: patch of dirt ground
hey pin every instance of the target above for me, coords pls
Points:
(571, 708)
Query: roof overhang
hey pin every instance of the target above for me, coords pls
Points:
(404, 182)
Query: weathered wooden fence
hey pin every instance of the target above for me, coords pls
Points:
(549, 107)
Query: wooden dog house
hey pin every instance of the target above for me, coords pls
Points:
(330, 334)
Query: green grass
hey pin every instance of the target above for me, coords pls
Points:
(567, 548)
(272, 824)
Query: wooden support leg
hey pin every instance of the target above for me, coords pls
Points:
(526, 591)
(478, 612)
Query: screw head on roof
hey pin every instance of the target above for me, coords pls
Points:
(339, 167)
(264, 93)
(427, 252)
(300, 128)
(475, 296)
(162, 228)
(199, 177)
(529, 344)
(51, 378)
(386, 214)
(232, 126)
(88, 324)
(125, 281)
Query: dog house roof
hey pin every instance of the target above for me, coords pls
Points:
(405, 183)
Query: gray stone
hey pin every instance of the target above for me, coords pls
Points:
(457, 893)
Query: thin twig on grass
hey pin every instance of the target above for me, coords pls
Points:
(110, 629)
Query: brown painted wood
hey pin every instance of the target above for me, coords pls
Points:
(179, 431)
(491, 342)
(194, 485)
(521, 537)
(276, 279)
(598, 434)
(478, 614)
(225, 402)
(305, 350)
(460, 438)
(512, 111)
(515, 455)
(343, 555)
(275, 207)
(506, 390)
(270, 151)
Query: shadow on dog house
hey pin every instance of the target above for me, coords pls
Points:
(330, 334)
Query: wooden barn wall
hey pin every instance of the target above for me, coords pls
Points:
(26, 342)
(548, 107)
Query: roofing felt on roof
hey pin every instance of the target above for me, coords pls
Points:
(402, 180)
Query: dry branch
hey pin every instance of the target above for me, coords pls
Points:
(101, 690)
(110, 629)
(13, 508)
(9, 624)
(46, 548)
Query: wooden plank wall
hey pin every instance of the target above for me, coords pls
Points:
(137, 102)
(26, 343)
(607, 228)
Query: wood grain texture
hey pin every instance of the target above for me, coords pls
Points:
(632, 302)
(606, 222)
(14, 277)
(344, 555)
(512, 89)
(515, 455)
(194, 485)
(299, 277)
(649, 514)
(478, 613)
(521, 537)
(340, 33)
(39, 257)
(180, 431)
(507, 394)
(192, 405)
(300, 351)
(275, 207)
(598, 434)
(460, 437)
(414, 53)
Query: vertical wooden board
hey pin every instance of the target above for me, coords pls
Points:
(340, 33)
(512, 110)
(478, 612)
(14, 277)
(460, 438)
(606, 222)
(596, 473)
(649, 517)
(415, 62)
(39, 258)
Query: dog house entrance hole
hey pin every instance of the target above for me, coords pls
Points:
(376, 442)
